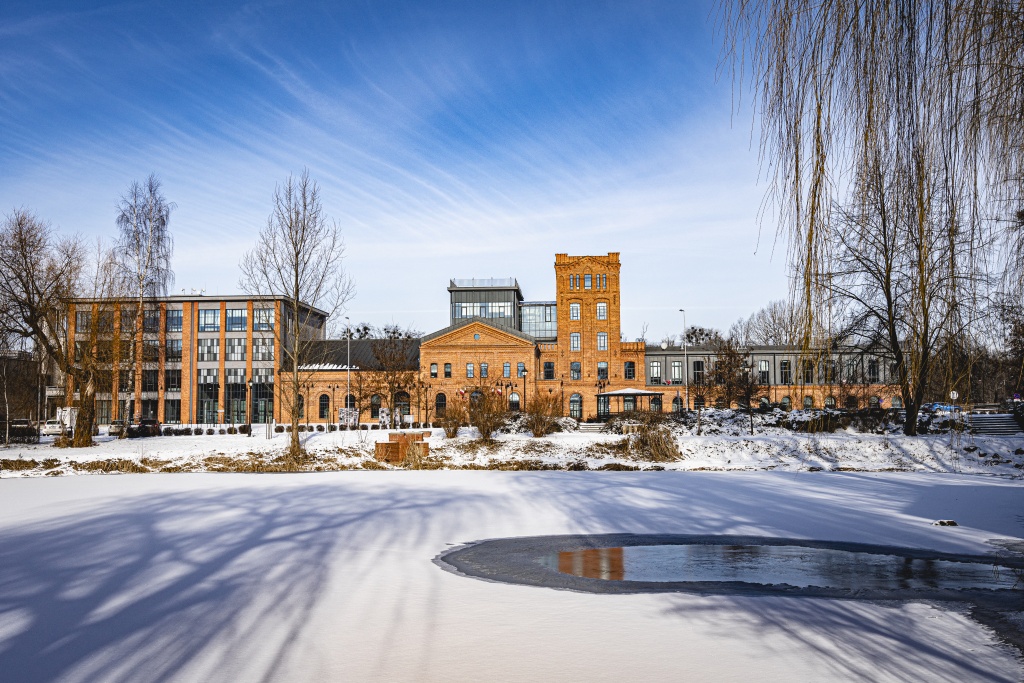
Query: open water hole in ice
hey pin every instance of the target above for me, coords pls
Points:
(793, 565)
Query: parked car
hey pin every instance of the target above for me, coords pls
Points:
(147, 427)
(116, 428)
(54, 428)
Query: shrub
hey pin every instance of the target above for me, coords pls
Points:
(364, 427)
(168, 431)
(245, 429)
(197, 431)
(279, 429)
(654, 443)
(232, 430)
(487, 413)
(454, 416)
(375, 426)
(288, 428)
(319, 428)
(222, 431)
(542, 413)
(209, 432)
(333, 428)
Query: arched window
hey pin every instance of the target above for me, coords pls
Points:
(513, 401)
(897, 402)
(375, 406)
(830, 402)
(808, 402)
(786, 402)
(576, 406)
(656, 404)
(851, 402)
(873, 402)
(302, 407)
(440, 405)
(402, 403)
(325, 406)
(350, 402)
(698, 402)
(765, 404)
(677, 405)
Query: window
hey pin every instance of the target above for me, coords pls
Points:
(172, 352)
(375, 407)
(325, 406)
(483, 370)
(698, 372)
(150, 350)
(576, 406)
(209, 349)
(207, 376)
(763, 372)
(209, 320)
(851, 402)
(874, 403)
(656, 404)
(574, 311)
(873, 374)
(506, 370)
(602, 311)
(440, 405)
(235, 349)
(785, 372)
(150, 380)
(574, 341)
(572, 282)
(513, 402)
(433, 370)
(602, 370)
(549, 370)
(151, 321)
(808, 376)
(629, 370)
(125, 381)
(654, 376)
(83, 320)
(173, 322)
(574, 371)
(402, 403)
(787, 402)
(448, 370)
(604, 405)
(469, 370)
(263, 349)
(105, 324)
(588, 281)
(830, 402)
(521, 369)
(808, 402)
(127, 319)
(235, 319)
(262, 319)
(172, 380)
(172, 410)
(263, 376)
(604, 282)
(897, 402)
(602, 341)
(677, 372)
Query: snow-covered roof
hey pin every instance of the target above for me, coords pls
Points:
(327, 366)
(631, 392)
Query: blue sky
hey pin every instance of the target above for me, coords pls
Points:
(451, 139)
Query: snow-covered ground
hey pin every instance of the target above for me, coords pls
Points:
(329, 577)
(728, 447)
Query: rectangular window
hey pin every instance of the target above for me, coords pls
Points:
(602, 370)
(172, 410)
(125, 381)
(521, 369)
(677, 372)
(105, 322)
(127, 319)
(83, 320)
(808, 372)
(447, 370)
(506, 370)
(209, 320)
(654, 376)
(236, 319)
(172, 352)
(602, 341)
(785, 372)
(173, 323)
(469, 370)
(433, 370)
(763, 372)
(263, 376)
(602, 311)
(698, 372)
(572, 282)
(150, 350)
(234, 376)
(588, 281)
(549, 370)
(235, 349)
(103, 411)
(207, 376)
(150, 380)
(574, 311)
(151, 321)
(172, 380)
(209, 349)
(262, 319)
(629, 370)
(574, 341)
(574, 371)
(873, 377)
(483, 370)
(263, 349)
(604, 282)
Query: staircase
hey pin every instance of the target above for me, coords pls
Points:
(591, 427)
(1000, 424)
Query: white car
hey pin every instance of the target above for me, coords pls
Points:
(52, 428)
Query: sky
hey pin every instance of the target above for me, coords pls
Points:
(449, 139)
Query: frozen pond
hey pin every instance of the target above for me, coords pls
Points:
(792, 565)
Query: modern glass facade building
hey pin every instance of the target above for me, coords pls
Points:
(495, 300)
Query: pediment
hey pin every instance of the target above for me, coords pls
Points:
(477, 333)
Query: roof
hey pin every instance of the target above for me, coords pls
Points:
(197, 298)
(333, 354)
(631, 392)
(483, 321)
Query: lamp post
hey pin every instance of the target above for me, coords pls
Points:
(248, 407)
(524, 388)
(348, 367)
(686, 362)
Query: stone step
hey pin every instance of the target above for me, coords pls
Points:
(995, 425)
(591, 427)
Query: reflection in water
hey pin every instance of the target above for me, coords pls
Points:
(779, 564)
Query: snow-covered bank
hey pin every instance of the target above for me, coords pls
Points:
(773, 449)
(329, 577)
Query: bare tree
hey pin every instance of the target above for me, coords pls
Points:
(774, 325)
(394, 350)
(144, 251)
(298, 256)
(542, 413)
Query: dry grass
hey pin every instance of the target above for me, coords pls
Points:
(655, 444)
(18, 465)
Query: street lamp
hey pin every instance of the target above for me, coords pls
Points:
(248, 408)
(524, 388)
(348, 369)
(686, 362)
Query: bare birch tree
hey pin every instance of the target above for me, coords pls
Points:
(298, 257)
